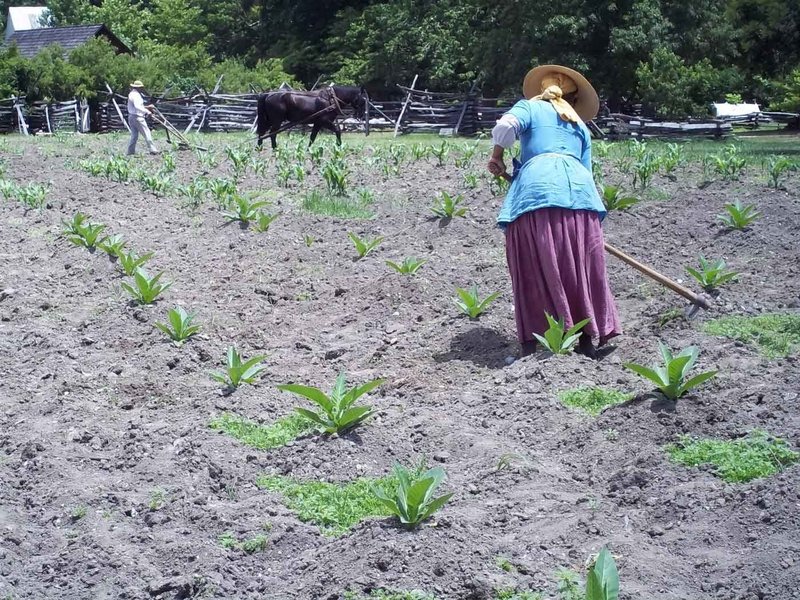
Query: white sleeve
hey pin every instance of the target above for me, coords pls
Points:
(138, 102)
(504, 133)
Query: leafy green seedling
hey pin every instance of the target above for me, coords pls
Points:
(558, 339)
(602, 581)
(729, 163)
(82, 232)
(441, 152)
(364, 246)
(145, 289)
(776, 167)
(113, 245)
(264, 220)
(470, 303)
(335, 175)
(413, 499)
(180, 327)
(738, 216)
(158, 183)
(129, 262)
(33, 195)
(711, 276)
(409, 266)
(671, 377)
(8, 189)
(309, 240)
(338, 411)
(447, 206)
(237, 372)
(614, 200)
(244, 210)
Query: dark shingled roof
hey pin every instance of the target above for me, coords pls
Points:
(31, 42)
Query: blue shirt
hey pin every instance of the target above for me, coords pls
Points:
(556, 164)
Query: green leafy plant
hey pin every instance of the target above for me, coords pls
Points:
(592, 400)
(146, 289)
(470, 302)
(283, 173)
(775, 335)
(671, 377)
(245, 209)
(729, 163)
(180, 327)
(568, 585)
(471, 180)
(82, 232)
(335, 175)
(168, 164)
(441, 152)
(342, 207)
(240, 158)
(264, 220)
(263, 437)
(364, 246)
(614, 199)
(33, 195)
(602, 581)
(8, 189)
(413, 500)
(194, 191)
(739, 217)
(221, 189)
(752, 457)
(338, 411)
(237, 371)
(777, 166)
(499, 185)
(644, 168)
(711, 276)
(447, 206)
(159, 184)
(558, 339)
(309, 240)
(671, 159)
(113, 245)
(409, 266)
(130, 262)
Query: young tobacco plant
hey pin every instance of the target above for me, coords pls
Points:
(447, 206)
(409, 266)
(602, 580)
(244, 210)
(33, 195)
(237, 372)
(614, 200)
(777, 166)
(364, 246)
(129, 262)
(113, 245)
(470, 302)
(82, 232)
(711, 275)
(338, 411)
(739, 217)
(671, 377)
(239, 160)
(180, 327)
(145, 289)
(413, 500)
(441, 152)
(557, 339)
(729, 163)
(335, 175)
(264, 220)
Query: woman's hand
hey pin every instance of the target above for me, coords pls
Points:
(496, 166)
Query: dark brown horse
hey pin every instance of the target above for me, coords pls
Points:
(319, 108)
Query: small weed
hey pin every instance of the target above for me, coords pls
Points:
(669, 315)
(158, 498)
(558, 339)
(409, 266)
(228, 540)
(515, 594)
(263, 437)
(180, 327)
(611, 434)
(237, 372)
(309, 240)
(336, 206)
(78, 513)
(384, 594)
(503, 563)
(254, 544)
(334, 508)
(736, 461)
(592, 400)
(568, 585)
(775, 335)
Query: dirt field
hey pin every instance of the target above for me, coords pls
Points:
(113, 485)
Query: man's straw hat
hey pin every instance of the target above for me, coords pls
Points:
(137, 84)
(587, 103)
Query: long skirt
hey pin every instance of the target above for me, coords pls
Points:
(557, 265)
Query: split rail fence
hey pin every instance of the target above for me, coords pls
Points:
(418, 111)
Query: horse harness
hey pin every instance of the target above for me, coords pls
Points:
(334, 104)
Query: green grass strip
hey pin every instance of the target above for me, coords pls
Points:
(752, 457)
(336, 206)
(263, 437)
(592, 399)
(332, 507)
(775, 335)
(383, 594)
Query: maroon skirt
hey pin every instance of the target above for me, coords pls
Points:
(557, 264)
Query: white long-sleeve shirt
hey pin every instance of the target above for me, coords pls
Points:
(506, 131)
(136, 104)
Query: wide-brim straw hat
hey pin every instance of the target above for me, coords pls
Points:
(587, 103)
(137, 84)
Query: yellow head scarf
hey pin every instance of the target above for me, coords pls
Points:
(554, 86)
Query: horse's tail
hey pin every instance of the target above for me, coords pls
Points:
(262, 116)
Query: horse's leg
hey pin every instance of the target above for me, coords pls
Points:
(335, 129)
(273, 135)
(314, 132)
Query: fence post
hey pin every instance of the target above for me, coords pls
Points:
(405, 105)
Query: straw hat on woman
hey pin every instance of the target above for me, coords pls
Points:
(552, 212)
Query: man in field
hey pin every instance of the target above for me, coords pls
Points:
(137, 113)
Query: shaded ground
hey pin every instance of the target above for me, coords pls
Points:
(100, 411)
